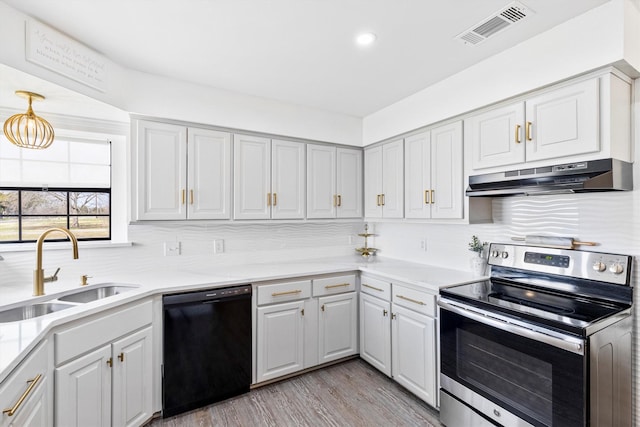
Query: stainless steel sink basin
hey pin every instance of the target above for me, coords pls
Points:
(93, 294)
(31, 311)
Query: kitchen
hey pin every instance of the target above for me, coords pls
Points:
(443, 243)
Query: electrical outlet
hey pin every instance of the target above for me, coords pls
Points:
(218, 246)
(171, 248)
(423, 244)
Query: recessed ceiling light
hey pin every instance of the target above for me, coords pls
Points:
(366, 39)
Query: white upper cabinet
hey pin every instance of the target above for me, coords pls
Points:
(334, 182)
(161, 172)
(182, 173)
(585, 120)
(209, 174)
(251, 177)
(433, 173)
(287, 184)
(268, 178)
(384, 181)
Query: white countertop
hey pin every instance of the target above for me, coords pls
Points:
(17, 339)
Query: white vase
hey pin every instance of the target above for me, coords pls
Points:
(478, 265)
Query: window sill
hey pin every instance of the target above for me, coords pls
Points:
(31, 246)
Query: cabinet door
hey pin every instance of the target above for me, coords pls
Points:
(83, 390)
(280, 340)
(288, 180)
(161, 172)
(446, 171)
(349, 183)
(564, 122)
(414, 353)
(373, 182)
(321, 181)
(337, 326)
(251, 177)
(375, 332)
(132, 377)
(418, 176)
(496, 137)
(393, 180)
(209, 179)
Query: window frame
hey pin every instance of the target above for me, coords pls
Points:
(68, 215)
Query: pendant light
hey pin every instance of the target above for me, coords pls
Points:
(28, 130)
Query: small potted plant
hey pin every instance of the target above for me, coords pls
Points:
(478, 263)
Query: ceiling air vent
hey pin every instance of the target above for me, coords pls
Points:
(504, 18)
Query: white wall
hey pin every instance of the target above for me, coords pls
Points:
(589, 41)
(155, 96)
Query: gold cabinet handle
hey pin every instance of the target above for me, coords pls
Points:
(302, 312)
(517, 136)
(339, 200)
(341, 285)
(426, 197)
(184, 195)
(393, 316)
(372, 287)
(110, 362)
(335, 200)
(528, 131)
(32, 383)
(415, 301)
(382, 199)
(191, 196)
(322, 308)
(277, 294)
(121, 357)
(378, 200)
(268, 199)
(433, 197)
(275, 199)
(384, 313)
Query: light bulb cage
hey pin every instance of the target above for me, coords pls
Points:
(27, 130)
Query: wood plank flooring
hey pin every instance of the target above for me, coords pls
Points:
(348, 394)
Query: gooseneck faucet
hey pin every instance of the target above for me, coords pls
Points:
(38, 275)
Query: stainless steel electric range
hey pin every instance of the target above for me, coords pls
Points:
(545, 341)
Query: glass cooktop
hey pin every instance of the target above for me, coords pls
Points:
(568, 313)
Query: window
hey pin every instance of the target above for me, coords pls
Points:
(67, 185)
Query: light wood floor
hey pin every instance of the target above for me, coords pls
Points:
(349, 394)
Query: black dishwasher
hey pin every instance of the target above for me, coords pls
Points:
(206, 347)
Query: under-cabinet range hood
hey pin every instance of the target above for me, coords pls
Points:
(578, 177)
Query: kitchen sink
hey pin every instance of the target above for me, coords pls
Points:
(94, 294)
(30, 311)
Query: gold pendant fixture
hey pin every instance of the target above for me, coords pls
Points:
(28, 130)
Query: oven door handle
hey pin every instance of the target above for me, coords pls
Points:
(574, 345)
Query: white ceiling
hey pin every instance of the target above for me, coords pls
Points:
(296, 51)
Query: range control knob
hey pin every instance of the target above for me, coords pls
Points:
(616, 268)
(504, 254)
(495, 254)
(599, 266)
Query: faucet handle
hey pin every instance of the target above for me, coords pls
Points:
(83, 280)
(52, 278)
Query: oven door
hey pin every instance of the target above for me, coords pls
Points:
(512, 372)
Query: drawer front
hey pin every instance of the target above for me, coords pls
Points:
(74, 341)
(26, 380)
(376, 287)
(285, 291)
(419, 301)
(334, 285)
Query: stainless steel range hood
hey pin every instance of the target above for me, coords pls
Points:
(578, 177)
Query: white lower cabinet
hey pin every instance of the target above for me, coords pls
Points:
(337, 326)
(301, 323)
(414, 352)
(398, 334)
(104, 369)
(280, 340)
(26, 395)
(375, 332)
